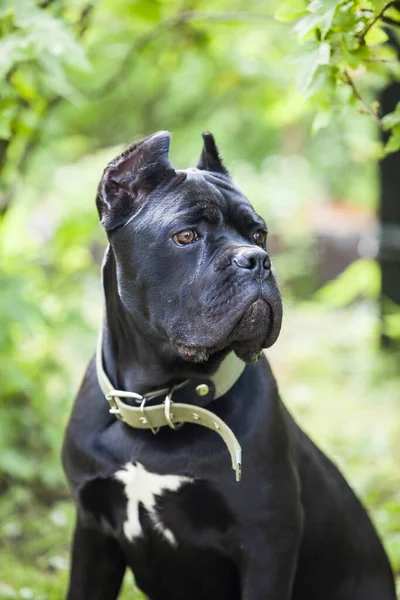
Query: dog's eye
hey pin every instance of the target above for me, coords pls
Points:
(187, 236)
(260, 237)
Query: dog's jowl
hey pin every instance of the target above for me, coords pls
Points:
(184, 464)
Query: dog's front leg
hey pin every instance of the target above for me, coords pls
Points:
(98, 566)
(267, 572)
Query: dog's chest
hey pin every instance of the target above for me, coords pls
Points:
(140, 505)
(146, 494)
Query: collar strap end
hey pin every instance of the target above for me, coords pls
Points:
(238, 465)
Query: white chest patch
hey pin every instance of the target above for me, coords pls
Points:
(144, 487)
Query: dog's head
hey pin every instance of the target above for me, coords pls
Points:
(190, 252)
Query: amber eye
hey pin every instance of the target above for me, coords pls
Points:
(260, 237)
(187, 236)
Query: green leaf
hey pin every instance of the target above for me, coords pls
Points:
(323, 5)
(351, 59)
(13, 49)
(391, 326)
(325, 11)
(309, 63)
(7, 113)
(306, 24)
(6, 8)
(394, 141)
(326, 22)
(290, 10)
(47, 34)
(392, 119)
(376, 36)
(321, 120)
(321, 15)
(379, 5)
(361, 278)
(55, 77)
(352, 42)
(321, 88)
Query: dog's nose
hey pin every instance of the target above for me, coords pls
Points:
(253, 259)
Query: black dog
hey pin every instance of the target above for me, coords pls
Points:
(189, 299)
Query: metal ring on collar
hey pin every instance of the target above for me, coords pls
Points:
(146, 418)
(167, 411)
(167, 407)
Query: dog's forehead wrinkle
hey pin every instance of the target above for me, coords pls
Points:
(193, 200)
(247, 215)
(207, 184)
(200, 194)
(185, 213)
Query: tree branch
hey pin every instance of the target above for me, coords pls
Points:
(226, 17)
(84, 20)
(382, 60)
(377, 18)
(180, 19)
(367, 109)
(390, 21)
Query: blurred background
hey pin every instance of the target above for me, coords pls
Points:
(81, 81)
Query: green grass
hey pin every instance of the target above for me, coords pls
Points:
(34, 553)
(343, 393)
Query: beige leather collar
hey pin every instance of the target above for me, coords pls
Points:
(172, 413)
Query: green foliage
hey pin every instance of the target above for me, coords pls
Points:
(360, 280)
(343, 41)
(391, 319)
(37, 51)
(47, 289)
(392, 326)
(142, 57)
(34, 549)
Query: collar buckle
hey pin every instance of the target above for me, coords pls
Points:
(114, 410)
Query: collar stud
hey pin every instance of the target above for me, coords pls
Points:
(202, 389)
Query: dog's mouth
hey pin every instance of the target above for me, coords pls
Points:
(257, 328)
(255, 321)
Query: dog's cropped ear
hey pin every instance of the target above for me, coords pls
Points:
(131, 177)
(210, 159)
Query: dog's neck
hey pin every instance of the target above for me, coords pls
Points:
(136, 358)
